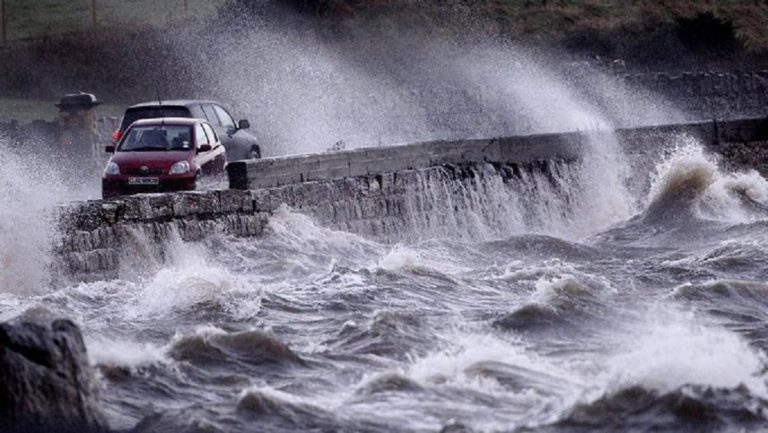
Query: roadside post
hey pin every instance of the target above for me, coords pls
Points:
(93, 15)
(3, 21)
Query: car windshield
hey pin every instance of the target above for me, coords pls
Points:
(134, 114)
(157, 138)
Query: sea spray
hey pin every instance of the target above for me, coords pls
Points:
(31, 189)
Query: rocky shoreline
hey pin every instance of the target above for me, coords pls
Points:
(46, 380)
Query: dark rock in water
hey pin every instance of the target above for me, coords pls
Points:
(46, 382)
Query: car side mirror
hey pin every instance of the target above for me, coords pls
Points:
(110, 148)
(243, 124)
(204, 148)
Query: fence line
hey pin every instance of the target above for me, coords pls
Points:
(4, 21)
(19, 21)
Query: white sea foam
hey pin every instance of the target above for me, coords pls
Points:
(689, 173)
(415, 259)
(674, 350)
(124, 353)
(548, 290)
(294, 229)
(191, 276)
(452, 364)
(400, 257)
(207, 330)
(729, 195)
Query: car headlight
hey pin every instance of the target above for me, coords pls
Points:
(180, 167)
(112, 169)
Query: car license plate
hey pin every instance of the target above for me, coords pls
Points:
(143, 181)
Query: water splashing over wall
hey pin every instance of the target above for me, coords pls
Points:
(307, 91)
(31, 186)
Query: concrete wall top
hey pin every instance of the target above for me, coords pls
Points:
(277, 171)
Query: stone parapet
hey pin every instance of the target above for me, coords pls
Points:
(270, 172)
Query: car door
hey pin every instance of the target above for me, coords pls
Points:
(218, 156)
(233, 152)
(243, 141)
(196, 110)
(203, 159)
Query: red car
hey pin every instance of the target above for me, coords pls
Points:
(164, 154)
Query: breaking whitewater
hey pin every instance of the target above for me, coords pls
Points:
(655, 321)
(621, 293)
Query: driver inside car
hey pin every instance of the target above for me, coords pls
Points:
(155, 139)
(181, 141)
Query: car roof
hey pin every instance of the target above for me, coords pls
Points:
(168, 121)
(173, 103)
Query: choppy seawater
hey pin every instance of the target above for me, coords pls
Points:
(655, 320)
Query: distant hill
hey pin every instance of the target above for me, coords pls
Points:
(144, 48)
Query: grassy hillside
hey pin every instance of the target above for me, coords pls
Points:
(695, 22)
(608, 25)
(143, 48)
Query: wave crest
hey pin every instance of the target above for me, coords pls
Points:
(212, 346)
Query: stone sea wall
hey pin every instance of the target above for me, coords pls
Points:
(385, 193)
(99, 238)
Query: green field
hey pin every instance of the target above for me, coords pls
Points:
(27, 19)
(27, 110)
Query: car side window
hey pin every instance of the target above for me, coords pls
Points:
(211, 115)
(200, 135)
(197, 111)
(226, 120)
(211, 134)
